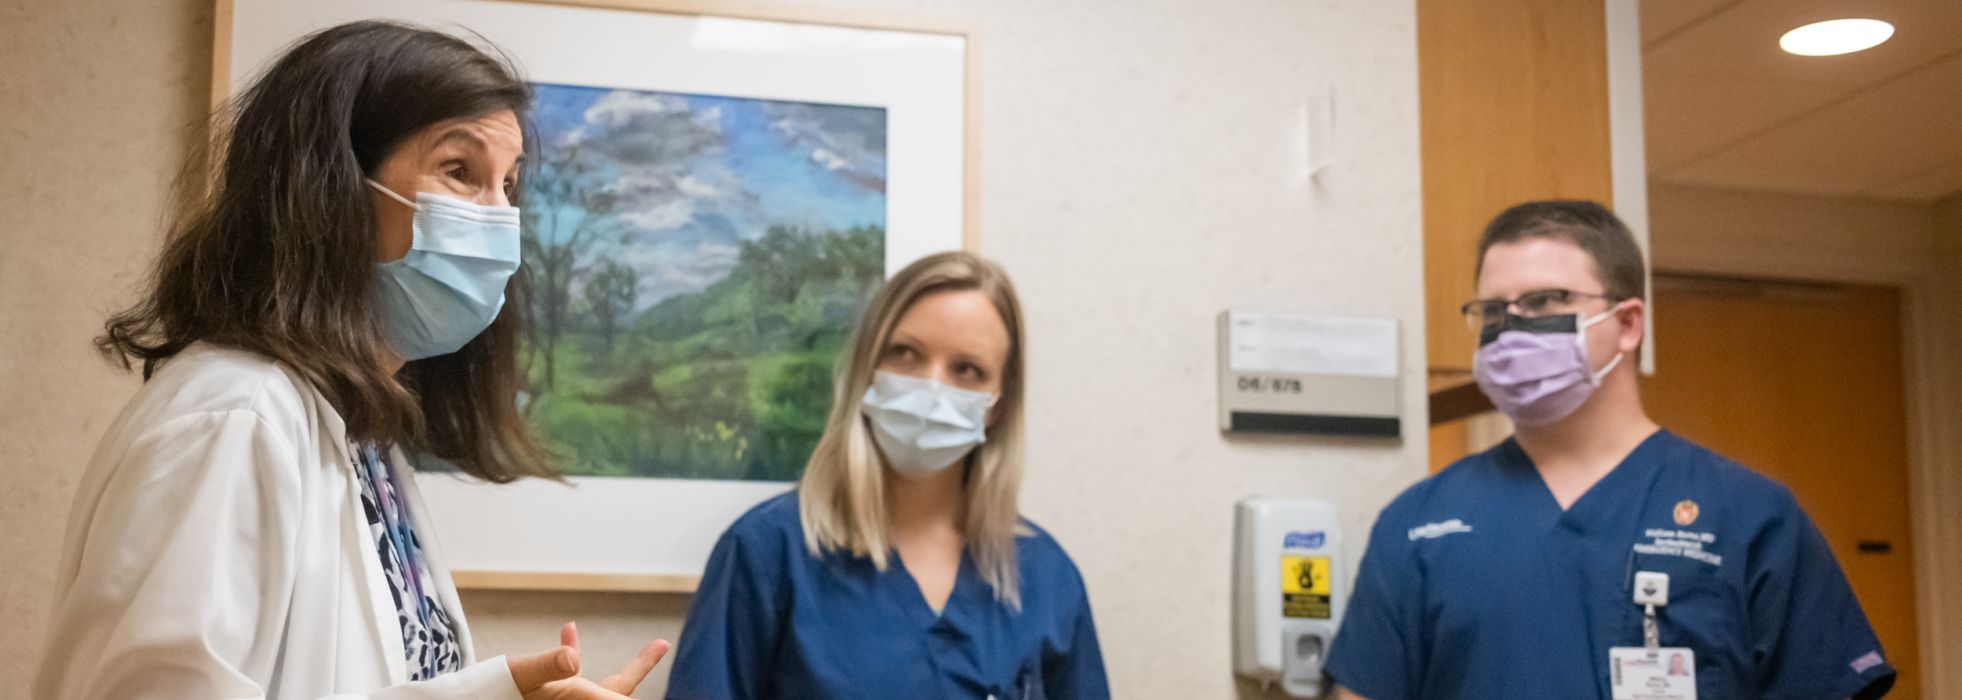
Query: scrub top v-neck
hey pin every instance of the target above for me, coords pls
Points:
(1477, 585)
(772, 621)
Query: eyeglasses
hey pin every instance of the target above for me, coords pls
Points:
(1485, 313)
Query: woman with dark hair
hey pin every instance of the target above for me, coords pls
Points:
(343, 291)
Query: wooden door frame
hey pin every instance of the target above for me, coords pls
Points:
(1929, 447)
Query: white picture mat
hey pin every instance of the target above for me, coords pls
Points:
(590, 525)
(666, 526)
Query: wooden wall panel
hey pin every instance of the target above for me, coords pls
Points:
(1513, 98)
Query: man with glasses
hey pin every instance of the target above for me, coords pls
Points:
(1573, 559)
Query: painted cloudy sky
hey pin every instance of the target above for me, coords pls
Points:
(695, 175)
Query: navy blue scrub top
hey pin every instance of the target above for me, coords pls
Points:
(772, 621)
(1476, 585)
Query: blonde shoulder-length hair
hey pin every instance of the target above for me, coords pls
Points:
(842, 497)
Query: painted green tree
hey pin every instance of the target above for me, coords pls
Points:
(695, 265)
(733, 382)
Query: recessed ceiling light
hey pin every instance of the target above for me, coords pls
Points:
(1835, 37)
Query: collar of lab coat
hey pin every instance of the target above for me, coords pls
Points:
(388, 630)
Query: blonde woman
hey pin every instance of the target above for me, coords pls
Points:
(900, 568)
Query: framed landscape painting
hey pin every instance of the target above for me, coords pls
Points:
(714, 200)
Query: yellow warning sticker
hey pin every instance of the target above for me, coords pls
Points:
(1304, 587)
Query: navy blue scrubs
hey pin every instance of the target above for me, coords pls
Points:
(1477, 585)
(772, 621)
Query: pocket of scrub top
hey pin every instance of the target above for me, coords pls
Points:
(1704, 613)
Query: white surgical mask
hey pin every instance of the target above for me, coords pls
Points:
(924, 426)
(450, 286)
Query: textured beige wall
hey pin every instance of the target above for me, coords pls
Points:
(1138, 177)
(1786, 235)
(95, 100)
(1948, 225)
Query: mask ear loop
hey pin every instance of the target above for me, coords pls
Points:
(1596, 377)
(391, 194)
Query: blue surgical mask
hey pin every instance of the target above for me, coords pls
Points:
(923, 426)
(450, 286)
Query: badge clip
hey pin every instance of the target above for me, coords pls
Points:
(1651, 589)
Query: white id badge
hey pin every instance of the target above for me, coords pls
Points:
(1662, 673)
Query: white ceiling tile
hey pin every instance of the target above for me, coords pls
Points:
(1689, 116)
(1661, 18)
(1741, 42)
(1868, 142)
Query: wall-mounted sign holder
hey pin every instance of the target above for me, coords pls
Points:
(1309, 374)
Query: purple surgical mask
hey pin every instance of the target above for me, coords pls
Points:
(1535, 370)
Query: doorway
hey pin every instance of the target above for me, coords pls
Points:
(1804, 383)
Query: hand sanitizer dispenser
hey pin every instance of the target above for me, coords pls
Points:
(1288, 591)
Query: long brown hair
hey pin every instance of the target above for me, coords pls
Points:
(273, 249)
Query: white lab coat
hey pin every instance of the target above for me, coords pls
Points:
(217, 548)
